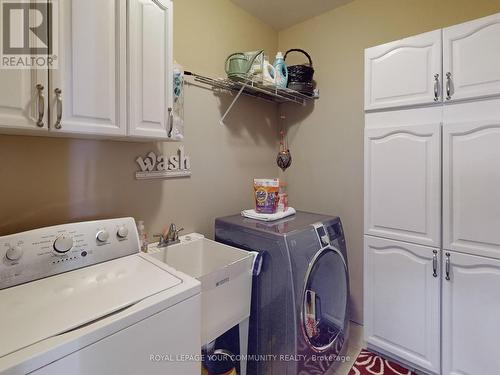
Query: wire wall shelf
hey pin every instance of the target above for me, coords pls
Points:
(254, 88)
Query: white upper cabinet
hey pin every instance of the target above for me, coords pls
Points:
(471, 307)
(402, 176)
(471, 178)
(402, 301)
(150, 70)
(403, 73)
(456, 63)
(23, 94)
(23, 105)
(88, 91)
(471, 59)
(114, 77)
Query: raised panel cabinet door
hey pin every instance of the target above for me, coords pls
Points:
(471, 308)
(471, 59)
(23, 100)
(471, 187)
(404, 73)
(403, 183)
(88, 91)
(402, 301)
(23, 90)
(150, 68)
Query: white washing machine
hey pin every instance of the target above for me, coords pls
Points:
(81, 299)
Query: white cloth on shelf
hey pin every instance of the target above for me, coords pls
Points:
(252, 214)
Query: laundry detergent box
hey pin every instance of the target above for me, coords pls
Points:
(266, 191)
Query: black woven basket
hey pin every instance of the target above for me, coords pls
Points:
(300, 73)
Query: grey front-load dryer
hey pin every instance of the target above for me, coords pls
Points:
(299, 314)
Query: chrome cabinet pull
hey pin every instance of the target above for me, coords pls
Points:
(435, 263)
(448, 266)
(448, 86)
(58, 92)
(436, 87)
(170, 122)
(41, 105)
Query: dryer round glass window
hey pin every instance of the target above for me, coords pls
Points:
(324, 299)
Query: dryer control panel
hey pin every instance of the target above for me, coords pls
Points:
(329, 233)
(43, 252)
(324, 238)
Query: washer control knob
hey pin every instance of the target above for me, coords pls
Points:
(63, 244)
(102, 236)
(14, 253)
(122, 232)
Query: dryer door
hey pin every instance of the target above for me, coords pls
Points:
(324, 299)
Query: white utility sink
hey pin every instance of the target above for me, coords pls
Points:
(225, 274)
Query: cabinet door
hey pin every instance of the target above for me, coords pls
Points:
(471, 59)
(405, 72)
(150, 68)
(471, 309)
(402, 301)
(23, 104)
(403, 184)
(91, 79)
(471, 187)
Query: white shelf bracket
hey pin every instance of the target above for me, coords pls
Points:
(221, 121)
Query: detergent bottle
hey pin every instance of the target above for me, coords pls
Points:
(281, 71)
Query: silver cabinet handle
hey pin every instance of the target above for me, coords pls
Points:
(41, 105)
(58, 92)
(448, 266)
(448, 86)
(436, 87)
(170, 122)
(435, 263)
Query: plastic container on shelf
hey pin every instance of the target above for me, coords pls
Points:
(281, 71)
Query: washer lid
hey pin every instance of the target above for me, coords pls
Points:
(44, 308)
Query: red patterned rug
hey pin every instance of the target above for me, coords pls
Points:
(369, 363)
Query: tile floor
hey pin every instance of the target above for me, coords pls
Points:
(354, 345)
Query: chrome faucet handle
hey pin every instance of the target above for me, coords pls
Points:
(177, 233)
(162, 241)
(173, 233)
(170, 236)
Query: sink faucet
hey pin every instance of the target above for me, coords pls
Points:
(171, 237)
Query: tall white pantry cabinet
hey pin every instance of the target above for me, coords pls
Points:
(432, 199)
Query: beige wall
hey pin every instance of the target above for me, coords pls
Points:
(45, 181)
(327, 144)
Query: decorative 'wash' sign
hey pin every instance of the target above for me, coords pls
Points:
(161, 166)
